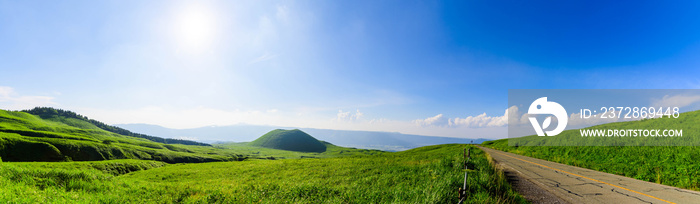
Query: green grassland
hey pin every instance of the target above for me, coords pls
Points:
(422, 175)
(669, 165)
(255, 152)
(64, 157)
(113, 167)
(27, 137)
(79, 121)
(59, 135)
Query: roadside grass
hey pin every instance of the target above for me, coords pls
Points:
(661, 160)
(668, 165)
(423, 175)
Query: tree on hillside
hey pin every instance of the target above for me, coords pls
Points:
(49, 112)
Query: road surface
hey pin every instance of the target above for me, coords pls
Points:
(578, 185)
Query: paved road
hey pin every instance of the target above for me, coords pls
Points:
(579, 185)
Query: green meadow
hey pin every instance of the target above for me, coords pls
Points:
(60, 157)
(58, 135)
(423, 175)
(256, 152)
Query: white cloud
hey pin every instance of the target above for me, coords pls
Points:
(348, 116)
(478, 121)
(412, 127)
(378, 121)
(515, 117)
(343, 115)
(675, 101)
(438, 120)
(358, 115)
(10, 100)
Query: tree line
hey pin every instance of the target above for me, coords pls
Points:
(47, 112)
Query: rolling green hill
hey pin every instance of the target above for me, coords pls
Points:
(57, 137)
(292, 140)
(79, 121)
(669, 165)
(136, 170)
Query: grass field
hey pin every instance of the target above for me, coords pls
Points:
(27, 137)
(669, 165)
(244, 148)
(423, 175)
(83, 162)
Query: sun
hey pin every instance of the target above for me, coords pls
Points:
(195, 28)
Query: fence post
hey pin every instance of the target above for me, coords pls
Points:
(463, 190)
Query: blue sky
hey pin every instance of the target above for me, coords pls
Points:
(405, 66)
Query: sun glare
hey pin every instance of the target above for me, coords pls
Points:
(195, 28)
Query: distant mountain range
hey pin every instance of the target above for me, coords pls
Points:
(388, 141)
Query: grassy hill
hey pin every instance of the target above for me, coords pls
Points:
(58, 135)
(669, 165)
(101, 166)
(424, 175)
(79, 121)
(292, 140)
(386, 141)
(28, 137)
